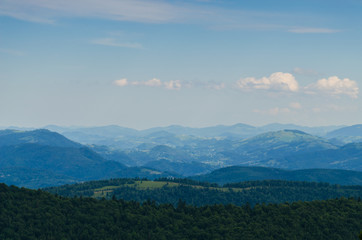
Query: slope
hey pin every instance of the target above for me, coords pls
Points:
(268, 149)
(29, 214)
(239, 174)
(40, 158)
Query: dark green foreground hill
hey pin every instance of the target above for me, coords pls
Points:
(30, 214)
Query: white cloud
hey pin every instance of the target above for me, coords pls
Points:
(154, 82)
(113, 43)
(313, 30)
(173, 85)
(121, 82)
(277, 81)
(334, 86)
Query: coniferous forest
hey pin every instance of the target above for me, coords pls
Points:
(35, 214)
(196, 193)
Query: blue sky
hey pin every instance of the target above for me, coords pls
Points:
(141, 64)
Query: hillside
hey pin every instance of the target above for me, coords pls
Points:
(33, 178)
(182, 168)
(54, 155)
(347, 157)
(79, 163)
(268, 148)
(29, 214)
(42, 158)
(189, 151)
(242, 173)
(170, 191)
(39, 136)
(347, 134)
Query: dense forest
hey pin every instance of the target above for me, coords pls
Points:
(30, 214)
(203, 193)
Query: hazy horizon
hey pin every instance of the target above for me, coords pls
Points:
(161, 126)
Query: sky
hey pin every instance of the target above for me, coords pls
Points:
(197, 63)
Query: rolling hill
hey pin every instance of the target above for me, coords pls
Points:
(170, 191)
(40, 136)
(241, 173)
(269, 148)
(347, 157)
(42, 158)
(347, 134)
(287, 149)
(30, 214)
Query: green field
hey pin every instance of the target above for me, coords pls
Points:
(151, 185)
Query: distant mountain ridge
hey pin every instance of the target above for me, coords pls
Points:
(347, 157)
(161, 153)
(113, 135)
(287, 149)
(269, 148)
(347, 134)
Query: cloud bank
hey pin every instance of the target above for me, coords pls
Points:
(154, 82)
(286, 82)
(335, 86)
(121, 82)
(277, 81)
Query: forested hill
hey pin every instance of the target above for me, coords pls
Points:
(30, 214)
(200, 194)
(235, 174)
(40, 136)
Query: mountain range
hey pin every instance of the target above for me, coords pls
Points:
(41, 157)
(289, 149)
(126, 137)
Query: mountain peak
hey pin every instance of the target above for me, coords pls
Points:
(38, 136)
(295, 131)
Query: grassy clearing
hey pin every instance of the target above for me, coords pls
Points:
(149, 185)
(142, 185)
(102, 192)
